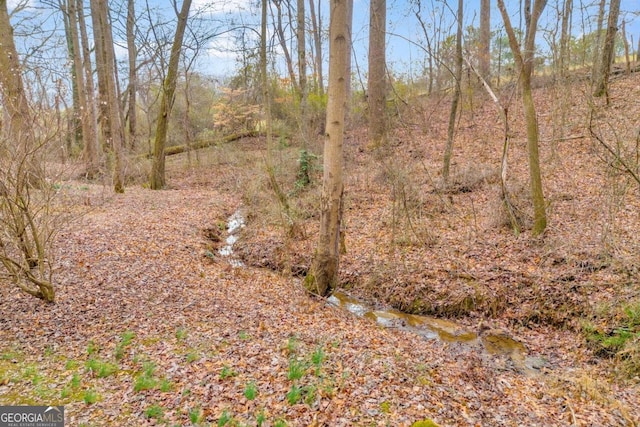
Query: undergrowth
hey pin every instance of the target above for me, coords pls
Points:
(621, 342)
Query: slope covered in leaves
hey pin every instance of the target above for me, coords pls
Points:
(147, 329)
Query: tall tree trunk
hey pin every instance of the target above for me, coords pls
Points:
(627, 58)
(524, 60)
(133, 75)
(565, 35)
(377, 68)
(106, 68)
(73, 57)
(456, 98)
(484, 47)
(89, 135)
(158, 180)
(597, 46)
(323, 275)
(316, 23)
(302, 72)
(14, 98)
(92, 143)
(608, 51)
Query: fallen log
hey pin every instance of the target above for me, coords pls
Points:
(177, 149)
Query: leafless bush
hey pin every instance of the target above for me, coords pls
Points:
(27, 217)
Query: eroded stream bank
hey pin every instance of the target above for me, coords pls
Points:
(491, 342)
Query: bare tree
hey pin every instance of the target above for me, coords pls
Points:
(524, 59)
(456, 97)
(323, 275)
(133, 74)
(166, 103)
(316, 23)
(602, 78)
(376, 83)
(106, 68)
(24, 236)
(484, 48)
(92, 154)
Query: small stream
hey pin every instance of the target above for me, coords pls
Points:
(235, 223)
(493, 342)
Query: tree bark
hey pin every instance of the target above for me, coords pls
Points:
(302, 71)
(597, 50)
(323, 275)
(484, 48)
(92, 154)
(133, 75)
(377, 67)
(158, 179)
(608, 51)
(316, 23)
(524, 60)
(565, 35)
(73, 57)
(456, 97)
(106, 68)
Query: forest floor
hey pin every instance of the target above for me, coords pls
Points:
(151, 326)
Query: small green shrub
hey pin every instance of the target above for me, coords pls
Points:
(622, 342)
(90, 397)
(125, 341)
(195, 415)
(224, 418)
(227, 372)
(250, 391)
(144, 383)
(92, 348)
(181, 333)
(296, 370)
(154, 411)
(294, 395)
(100, 368)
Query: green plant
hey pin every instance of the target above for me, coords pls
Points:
(310, 394)
(261, 418)
(227, 372)
(90, 397)
(296, 369)
(292, 344)
(195, 415)
(294, 394)
(244, 335)
(280, 423)
(250, 391)
(70, 365)
(306, 164)
(125, 341)
(144, 382)
(92, 348)
(317, 357)
(75, 381)
(192, 356)
(622, 342)
(224, 418)
(154, 411)
(165, 385)
(100, 368)
(181, 334)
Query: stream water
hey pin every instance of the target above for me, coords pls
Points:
(492, 342)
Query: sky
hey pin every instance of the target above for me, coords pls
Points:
(404, 34)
